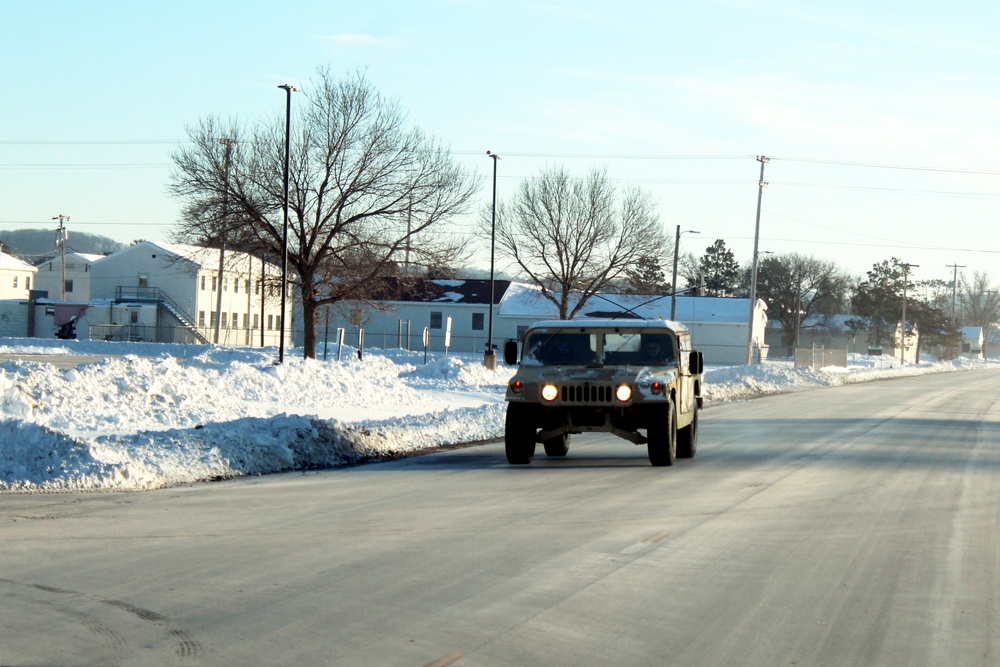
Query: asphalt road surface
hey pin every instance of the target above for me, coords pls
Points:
(58, 360)
(847, 526)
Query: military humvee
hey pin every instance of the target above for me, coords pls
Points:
(638, 379)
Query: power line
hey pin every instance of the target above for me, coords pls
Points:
(86, 142)
(864, 188)
(874, 165)
(85, 166)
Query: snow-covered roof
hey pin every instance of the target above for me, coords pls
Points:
(430, 290)
(11, 263)
(825, 322)
(207, 258)
(527, 301)
(972, 333)
(82, 256)
(621, 323)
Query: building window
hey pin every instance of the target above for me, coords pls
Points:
(236, 285)
(215, 282)
(225, 284)
(246, 321)
(15, 282)
(133, 316)
(201, 318)
(256, 287)
(235, 320)
(277, 322)
(203, 283)
(224, 323)
(27, 283)
(143, 280)
(69, 286)
(270, 322)
(436, 319)
(212, 318)
(255, 321)
(477, 322)
(246, 286)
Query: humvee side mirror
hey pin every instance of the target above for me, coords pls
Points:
(510, 353)
(696, 363)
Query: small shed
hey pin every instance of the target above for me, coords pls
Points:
(972, 342)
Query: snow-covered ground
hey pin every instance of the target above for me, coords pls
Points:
(151, 416)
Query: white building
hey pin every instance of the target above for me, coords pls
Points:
(76, 280)
(184, 283)
(16, 277)
(719, 325)
(399, 318)
(972, 342)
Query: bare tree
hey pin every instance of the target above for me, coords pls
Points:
(576, 236)
(796, 287)
(365, 191)
(980, 303)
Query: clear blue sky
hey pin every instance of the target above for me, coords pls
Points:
(675, 97)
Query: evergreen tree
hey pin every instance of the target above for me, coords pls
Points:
(720, 270)
(646, 277)
(879, 299)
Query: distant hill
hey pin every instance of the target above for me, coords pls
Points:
(37, 245)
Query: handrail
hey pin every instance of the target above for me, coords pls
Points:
(155, 294)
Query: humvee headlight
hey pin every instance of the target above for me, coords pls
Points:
(517, 386)
(550, 392)
(656, 387)
(623, 393)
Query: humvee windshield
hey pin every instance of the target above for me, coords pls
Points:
(546, 348)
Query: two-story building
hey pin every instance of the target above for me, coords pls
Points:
(229, 298)
(16, 277)
(69, 283)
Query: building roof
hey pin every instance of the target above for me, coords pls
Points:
(972, 333)
(11, 263)
(86, 257)
(207, 258)
(473, 291)
(527, 301)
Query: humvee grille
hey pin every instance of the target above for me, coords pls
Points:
(587, 393)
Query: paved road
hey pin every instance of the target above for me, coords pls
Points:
(58, 360)
(849, 526)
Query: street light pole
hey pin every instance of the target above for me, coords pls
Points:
(284, 228)
(673, 282)
(490, 356)
(753, 271)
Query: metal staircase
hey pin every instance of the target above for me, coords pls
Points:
(155, 295)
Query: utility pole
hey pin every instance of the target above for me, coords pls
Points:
(902, 343)
(986, 329)
(223, 228)
(753, 271)
(61, 236)
(954, 288)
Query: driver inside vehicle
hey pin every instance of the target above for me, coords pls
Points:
(654, 350)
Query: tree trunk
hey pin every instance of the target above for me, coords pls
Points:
(308, 318)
